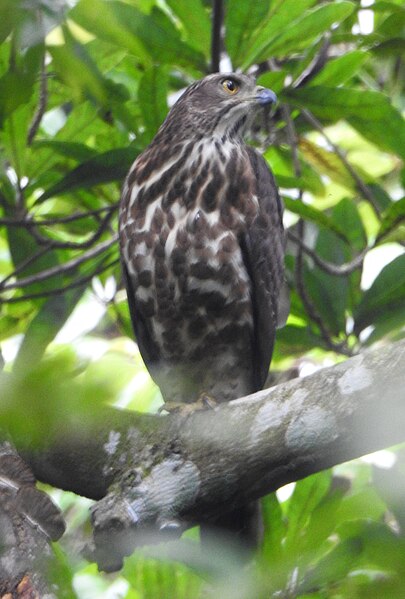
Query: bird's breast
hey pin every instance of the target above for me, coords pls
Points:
(180, 232)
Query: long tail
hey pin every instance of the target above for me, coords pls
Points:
(243, 527)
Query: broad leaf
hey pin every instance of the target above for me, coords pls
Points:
(341, 69)
(314, 215)
(50, 318)
(386, 295)
(103, 168)
(149, 37)
(393, 222)
(152, 96)
(195, 20)
(282, 15)
(242, 18)
(289, 35)
(335, 566)
(367, 111)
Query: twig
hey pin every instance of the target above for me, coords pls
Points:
(316, 64)
(23, 265)
(293, 141)
(299, 262)
(307, 302)
(39, 113)
(60, 290)
(72, 245)
(60, 268)
(338, 270)
(15, 222)
(217, 18)
(355, 176)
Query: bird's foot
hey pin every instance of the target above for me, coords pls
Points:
(204, 402)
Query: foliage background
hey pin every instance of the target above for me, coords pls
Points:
(84, 87)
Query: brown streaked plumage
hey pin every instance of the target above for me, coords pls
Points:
(202, 246)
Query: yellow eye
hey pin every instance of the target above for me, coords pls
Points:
(230, 86)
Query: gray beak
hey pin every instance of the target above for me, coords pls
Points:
(265, 96)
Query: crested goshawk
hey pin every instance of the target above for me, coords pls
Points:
(202, 246)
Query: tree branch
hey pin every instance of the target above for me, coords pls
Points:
(59, 290)
(218, 15)
(42, 100)
(59, 269)
(361, 185)
(338, 270)
(15, 222)
(165, 473)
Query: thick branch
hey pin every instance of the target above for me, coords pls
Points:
(164, 471)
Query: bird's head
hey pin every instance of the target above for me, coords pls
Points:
(220, 104)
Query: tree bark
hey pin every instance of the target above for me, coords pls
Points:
(165, 473)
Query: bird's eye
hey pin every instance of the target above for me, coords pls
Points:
(230, 86)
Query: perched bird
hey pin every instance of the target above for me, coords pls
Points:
(202, 247)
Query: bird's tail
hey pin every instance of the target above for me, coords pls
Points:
(242, 527)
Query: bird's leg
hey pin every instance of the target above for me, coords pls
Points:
(203, 402)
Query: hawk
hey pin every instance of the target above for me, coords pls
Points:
(202, 246)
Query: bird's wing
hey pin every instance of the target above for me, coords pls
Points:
(263, 254)
(147, 346)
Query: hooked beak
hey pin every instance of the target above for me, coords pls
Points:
(265, 96)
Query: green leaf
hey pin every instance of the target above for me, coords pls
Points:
(392, 218)
(274, 531)
(75, 66)
(388, 132)
(292, 339)
(282, 15)
(8, 18)
(152, 96)
(371, 113)
(241, 20)
(149, 37)
(273, 80)
(326, 163)
(17, 84)
(102, 19)
(335, 566)
(293, 35)
(322, 523)
(385, 296)
(195, 20)
(103, 168)
(70, 149)
(341, 69)
(363, 504)
(281, 164)
(390, 484)
(48, 321)
(314, 215)
(307, 494)
(336, 103)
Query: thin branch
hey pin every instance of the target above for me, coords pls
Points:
(338, 270)
(190, 470)
(42, 101)
(307, 302)
(293, 142)
(216, 40)
(363, 188)
(316, 65)
(60, 268)
(299, 262)
(14, 222)
(60, 290)
(23, 265)
(72, 245)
